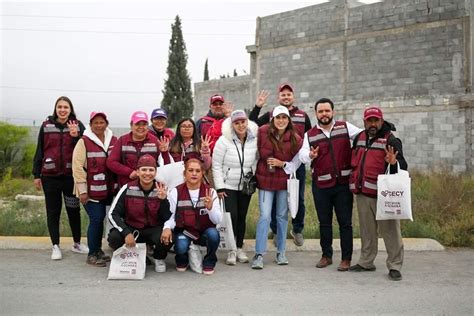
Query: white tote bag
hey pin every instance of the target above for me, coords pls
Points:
(394, 195)
(293, 187)
(226, 231)
(128, 263)
(195, 258)
(171, 174)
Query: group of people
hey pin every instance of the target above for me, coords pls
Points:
(220, 152)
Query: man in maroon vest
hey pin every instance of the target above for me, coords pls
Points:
(374, 150)
(216, 113)
(327, 146)
(302, 124)
(141, 206)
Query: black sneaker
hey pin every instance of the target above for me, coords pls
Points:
(359, 268)
(394, 275)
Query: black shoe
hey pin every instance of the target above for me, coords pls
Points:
(359, 268)
(394, 275)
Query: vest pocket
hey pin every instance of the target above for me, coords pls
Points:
(50, 166)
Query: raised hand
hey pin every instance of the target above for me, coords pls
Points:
(206, 142)
(313, 153)
(73, 128)
(390, 155)
(262, 98)
(164, 144)
(208, 201)
(228, 108)
(162, 190)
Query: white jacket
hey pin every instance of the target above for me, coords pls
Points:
(225, 160)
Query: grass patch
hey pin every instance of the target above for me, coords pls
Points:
(442, 202)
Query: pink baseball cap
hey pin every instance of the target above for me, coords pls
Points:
(139, 116)
(285, 85)
(94, 114)
(373, 111)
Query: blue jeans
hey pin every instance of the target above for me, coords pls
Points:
(209, 238)
(265, 200)
(298, 221)
(96, 212)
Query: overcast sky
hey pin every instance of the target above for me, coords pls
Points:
(112, 55)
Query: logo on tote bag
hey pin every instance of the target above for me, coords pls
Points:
(392, 193)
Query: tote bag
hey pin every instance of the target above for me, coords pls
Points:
(128, 263)
(171, 174)
(394, 195)
(226, 231)
(293, 187)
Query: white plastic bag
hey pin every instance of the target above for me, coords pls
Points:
(128, 263)
(226, 231)
(195, 258)
(293, 187)
(171, 174)
(394, 195)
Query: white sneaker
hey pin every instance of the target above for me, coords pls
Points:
(231, 258)
(56, 255)
(242, 256)
(160, 266)
(80, 248)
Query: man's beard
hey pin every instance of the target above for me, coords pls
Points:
(328, 121)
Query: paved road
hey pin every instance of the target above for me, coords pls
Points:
(433, 283)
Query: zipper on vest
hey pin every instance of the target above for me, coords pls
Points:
(333, 158)
(61, 149)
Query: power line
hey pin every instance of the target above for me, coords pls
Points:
(117, 32)
(122, 18)
(82, 91)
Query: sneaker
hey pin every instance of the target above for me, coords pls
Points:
(298, 238)
(231, 258)
(394, 275)
(208, 270)
(160, 265)
(257, 262)
(80, 248)
(95, 260)
(359, 268)
(56, 255)
(101, 254)
(324, 262)
(281, 259)
(275, 240)
(242, 256)
(182, 268)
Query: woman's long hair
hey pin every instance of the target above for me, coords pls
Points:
(273, 136)
(177, 141)
(72, 115)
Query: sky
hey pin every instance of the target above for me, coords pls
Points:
(112, 56)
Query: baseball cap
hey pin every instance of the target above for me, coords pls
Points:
(280, 109)
(216, 98)
(139, 116)
(238, 115)
(373, 111)
(94, 114)
(285, 85)
(146, 161)
(159, 113)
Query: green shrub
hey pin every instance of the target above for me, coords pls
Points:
(15, 153)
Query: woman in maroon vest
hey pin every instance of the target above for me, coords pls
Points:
(278, 144)
(52, 170)
(94, 183)
(196, 212)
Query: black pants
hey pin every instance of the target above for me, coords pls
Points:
(55, 189)
(340, 199)
(151, 235)
(237, 204)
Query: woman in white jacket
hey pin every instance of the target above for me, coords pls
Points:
(235, 155)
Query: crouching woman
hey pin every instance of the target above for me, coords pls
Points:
(141, 205)
(196, 212)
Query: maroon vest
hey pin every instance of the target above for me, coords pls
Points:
(189, 217)
(100, 181)
(167, 133)
(141, 211)
(131, 151)
(298, 118)
(58, 146)
(367, 163)
(179, 156)
(333, 164)
(277, 180)
(206, 123)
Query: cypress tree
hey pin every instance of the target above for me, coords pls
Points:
(177, 95)
(206, 71)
